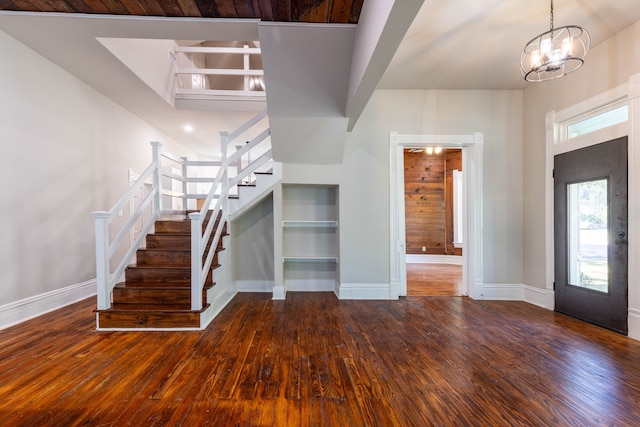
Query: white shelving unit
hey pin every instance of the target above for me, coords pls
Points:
(310, 237)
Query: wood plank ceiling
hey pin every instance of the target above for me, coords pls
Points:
(315, 11)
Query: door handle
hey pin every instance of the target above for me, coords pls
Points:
(622, 238)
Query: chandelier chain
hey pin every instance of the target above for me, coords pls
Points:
(551, 23)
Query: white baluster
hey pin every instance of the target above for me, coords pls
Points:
(157, 146)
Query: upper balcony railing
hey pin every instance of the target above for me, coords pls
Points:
(234, 79)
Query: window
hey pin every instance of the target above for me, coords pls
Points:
(611, 115)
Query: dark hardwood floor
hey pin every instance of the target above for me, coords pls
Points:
(313, 360)
(433, 280)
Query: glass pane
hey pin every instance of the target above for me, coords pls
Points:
(600, 121)
(588, 235)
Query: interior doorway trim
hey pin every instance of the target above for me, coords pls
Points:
(556, 144)
(472, 146)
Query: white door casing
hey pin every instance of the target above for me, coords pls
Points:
(471, 145)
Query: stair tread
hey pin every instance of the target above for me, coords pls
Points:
(166, 267)
(159, 285)
(151, 308)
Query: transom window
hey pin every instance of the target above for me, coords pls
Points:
(610, 115)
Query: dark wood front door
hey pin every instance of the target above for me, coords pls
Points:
(591, 234)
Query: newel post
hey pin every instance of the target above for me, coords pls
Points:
(196, 260)
(157, 202)
(101, 220)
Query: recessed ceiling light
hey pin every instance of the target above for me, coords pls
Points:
(188, 128)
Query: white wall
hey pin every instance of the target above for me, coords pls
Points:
(364, 176)
(253, 260)
(65, 152)
(607, 65)
(149, 60)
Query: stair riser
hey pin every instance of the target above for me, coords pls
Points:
(172, 242)
(153, 296)
(175, 275)
(154, 257)
(148, 320)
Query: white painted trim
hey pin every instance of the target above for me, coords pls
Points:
(37, 305)
(472, 166)
(309, 285)
(503, 292)
(541, 297)
(365, 291)
(255, 285)
(555, 144)
(279, 293)
(218, 304)
(434, 259)
(634, 324)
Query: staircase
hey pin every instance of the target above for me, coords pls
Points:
(156, 293)
(176, 274)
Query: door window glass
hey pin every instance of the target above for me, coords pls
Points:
(587, 227)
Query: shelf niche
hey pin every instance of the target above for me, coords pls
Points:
(310, 237)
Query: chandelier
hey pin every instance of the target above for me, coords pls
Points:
(556, 53)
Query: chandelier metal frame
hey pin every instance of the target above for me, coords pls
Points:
(555, 53)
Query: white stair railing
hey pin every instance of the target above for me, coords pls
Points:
(161, 177)
(201, 240)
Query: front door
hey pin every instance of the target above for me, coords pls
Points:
(590, 194)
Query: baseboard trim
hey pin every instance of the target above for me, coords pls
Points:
(219, 303)
(255, 285)
(544, 298)
(37, 305)
(433, 259)
(634, 324)
(502, 291)
(365, 291)
(279, 293)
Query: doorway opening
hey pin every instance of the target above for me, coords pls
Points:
(433, 220)
(469, 239)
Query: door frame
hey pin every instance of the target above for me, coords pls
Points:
(472, 147)
(557, 143)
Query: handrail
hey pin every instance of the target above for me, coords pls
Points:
(105, 249)
(205, 240)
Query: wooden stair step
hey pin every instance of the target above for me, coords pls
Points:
(178, 226)
(155, 285)
(127, 294)
(150, 316)
(173, 242)
(171, 275)
(172, 258)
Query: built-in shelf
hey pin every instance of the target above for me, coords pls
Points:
(332, 259)
(309, 224)
(310, 239)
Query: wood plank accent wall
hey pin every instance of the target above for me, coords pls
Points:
(428, 187)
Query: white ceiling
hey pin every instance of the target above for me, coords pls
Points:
(454, 44)
(476, 44)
